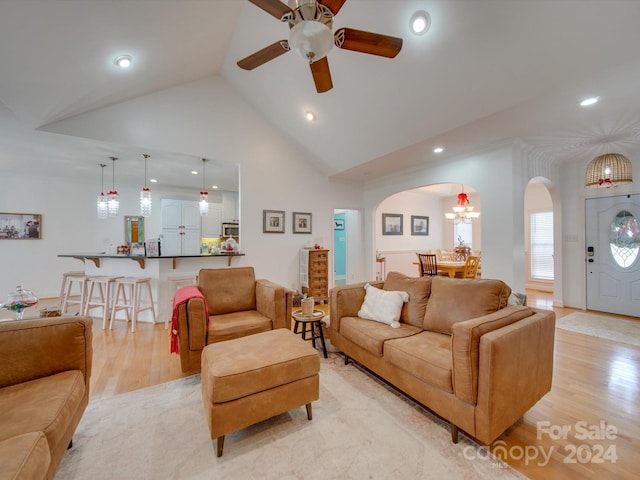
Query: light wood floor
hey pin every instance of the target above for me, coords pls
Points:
(595, 380)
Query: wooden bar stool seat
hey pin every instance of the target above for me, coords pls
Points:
(100, 297)
(128, 297)
(67, 295)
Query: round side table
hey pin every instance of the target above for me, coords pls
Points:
(310, 326)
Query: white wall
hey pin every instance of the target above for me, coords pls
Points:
(399, 251)
(498, 180)
(204, 119)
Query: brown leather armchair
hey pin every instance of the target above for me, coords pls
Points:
(238, 305)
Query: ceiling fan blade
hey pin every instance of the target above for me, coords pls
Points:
(321, 75)
(333, 5)
(275, 8)
(263, 56)
(367, 42)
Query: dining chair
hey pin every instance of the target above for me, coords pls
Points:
(471, 267)
(445, 255)
(428, 264)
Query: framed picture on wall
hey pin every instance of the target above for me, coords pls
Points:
(338, 224)
(20, 226)
(301, 222)
(133, 230)
(419, 225)
(272, 221)
(392, 223)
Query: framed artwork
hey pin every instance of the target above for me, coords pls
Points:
(419, 225)
(392, 223)
(301, 222)
(338, 224)
(133, 230)
(20, 226)
(272, 221)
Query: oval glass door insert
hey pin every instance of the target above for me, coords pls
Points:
(624, 239)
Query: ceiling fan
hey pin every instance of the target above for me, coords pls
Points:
(311, 36)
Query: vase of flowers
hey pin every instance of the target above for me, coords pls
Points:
(461, 251)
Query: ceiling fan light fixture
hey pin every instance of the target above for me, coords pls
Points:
(420, 22)
(311, 40)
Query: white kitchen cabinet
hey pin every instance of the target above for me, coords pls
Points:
(180, 227)
(180, 214)
(229, 207)
(180, 241)
(212, 223)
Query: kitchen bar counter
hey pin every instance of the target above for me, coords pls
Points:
(166, 273)
(141, 260)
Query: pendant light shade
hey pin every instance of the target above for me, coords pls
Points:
(113, 202)
(610, 169)
(101, 204)
(145, 193)
(204, 204)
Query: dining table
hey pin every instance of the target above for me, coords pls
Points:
(448, 267)
(451, 267)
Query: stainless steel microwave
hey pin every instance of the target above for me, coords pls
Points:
(230, 230)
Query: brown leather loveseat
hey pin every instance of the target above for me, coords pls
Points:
(238, 305)
(45, 365)
(460, 349)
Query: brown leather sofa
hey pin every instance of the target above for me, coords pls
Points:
(45, 365)
(237, 304)
(460, 350)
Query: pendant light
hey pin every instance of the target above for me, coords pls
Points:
(113, 203)
(101, 204)
(463, 213)
(204, 204)
(145, 194)
(608, 170)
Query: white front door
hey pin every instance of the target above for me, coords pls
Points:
(613, 254)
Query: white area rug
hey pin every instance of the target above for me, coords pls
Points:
(603, 326)
(360, 430)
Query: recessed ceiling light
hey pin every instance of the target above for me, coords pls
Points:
(420, 22)
(438, 150)
(589, 101)
(309, 115)
(195, 172)
(215, 187)
(122, 61)
(153, 180)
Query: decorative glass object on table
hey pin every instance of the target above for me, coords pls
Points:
(19, 300)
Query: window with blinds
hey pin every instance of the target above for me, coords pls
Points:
(463, 231)
(541, 248)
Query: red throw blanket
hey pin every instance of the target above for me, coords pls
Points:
(183, 295)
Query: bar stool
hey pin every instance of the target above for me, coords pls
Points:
(105, 294)
(134, 287)
(67, 297)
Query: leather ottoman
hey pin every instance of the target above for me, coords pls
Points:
(253, 378)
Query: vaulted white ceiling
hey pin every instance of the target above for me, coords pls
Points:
(486, 72)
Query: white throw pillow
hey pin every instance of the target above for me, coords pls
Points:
(383, 306)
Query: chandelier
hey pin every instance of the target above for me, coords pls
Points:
(113, 203)
(101, 204)
(463, 212)
(204, 204)
(610, 169)
(145, 193)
